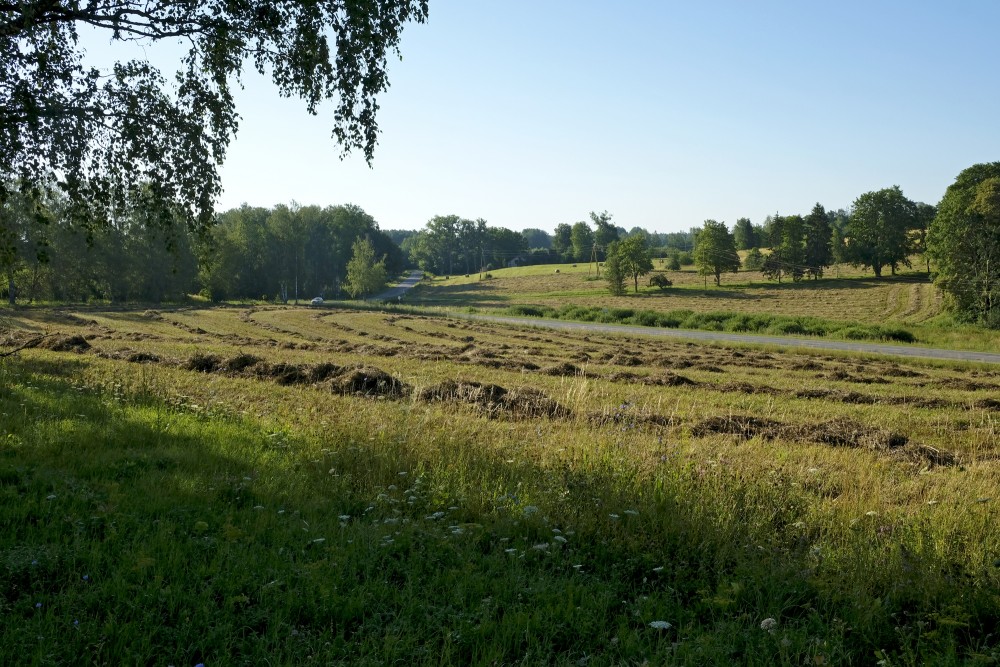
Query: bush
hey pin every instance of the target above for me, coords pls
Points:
(754, 260)
(532, 311)
(787, 328)
(660, 280)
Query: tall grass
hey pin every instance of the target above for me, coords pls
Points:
(147, 519)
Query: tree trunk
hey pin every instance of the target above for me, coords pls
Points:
(878, 270)
(635, 277)
(11, 289)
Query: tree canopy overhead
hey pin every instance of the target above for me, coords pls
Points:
(101, 135)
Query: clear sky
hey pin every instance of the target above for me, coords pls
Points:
(530, 113)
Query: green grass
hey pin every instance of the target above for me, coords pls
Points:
(160, 515)
(733, 322)
(846, 300)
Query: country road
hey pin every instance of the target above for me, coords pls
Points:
(911, 351)
(784, 341)
(399, 290)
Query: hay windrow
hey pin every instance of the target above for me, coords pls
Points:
(496, 401)
(626, 418)
(369, 381)
(143, 358)
(240, 363)
(844, 432)
(743, 426)
(64, 344)
(839, 432)
(564, 369)
(202, 363)
(747, 388)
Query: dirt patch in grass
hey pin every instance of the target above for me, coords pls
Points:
(496, 401)
(369, 381)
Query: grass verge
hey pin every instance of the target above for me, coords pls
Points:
(762, 323)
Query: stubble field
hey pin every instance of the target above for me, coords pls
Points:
(238, 484)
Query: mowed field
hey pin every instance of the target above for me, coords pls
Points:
(293, 485)
(854, 296)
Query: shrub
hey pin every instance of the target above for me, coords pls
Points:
(787, 327)
(660, 280)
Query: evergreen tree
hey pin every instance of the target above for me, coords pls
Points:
(818, 241)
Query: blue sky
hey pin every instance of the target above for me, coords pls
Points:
(533, 113)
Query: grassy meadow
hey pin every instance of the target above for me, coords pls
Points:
(846, 298)
(281, 485)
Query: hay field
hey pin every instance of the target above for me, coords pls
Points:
(856, 297)
(321, 485)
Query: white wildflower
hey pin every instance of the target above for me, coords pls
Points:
(660, 625)
(768, 624)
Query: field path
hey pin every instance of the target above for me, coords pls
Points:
(785, 341)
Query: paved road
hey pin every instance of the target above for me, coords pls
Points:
(691, 334)
(393, 292)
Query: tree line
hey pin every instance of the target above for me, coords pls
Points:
(279, 254)
(146, 252)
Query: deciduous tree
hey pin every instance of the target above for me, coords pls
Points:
(366, 275)
(964, 242)
(583, 241)
(632, 255)
(715, 251)
(614, 271)
(878, 233)
(562, 241)
(605, 233)
(99, 136)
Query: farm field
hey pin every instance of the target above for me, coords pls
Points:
(909, 300)
(294, 485)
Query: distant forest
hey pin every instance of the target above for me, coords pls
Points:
(292, 252)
